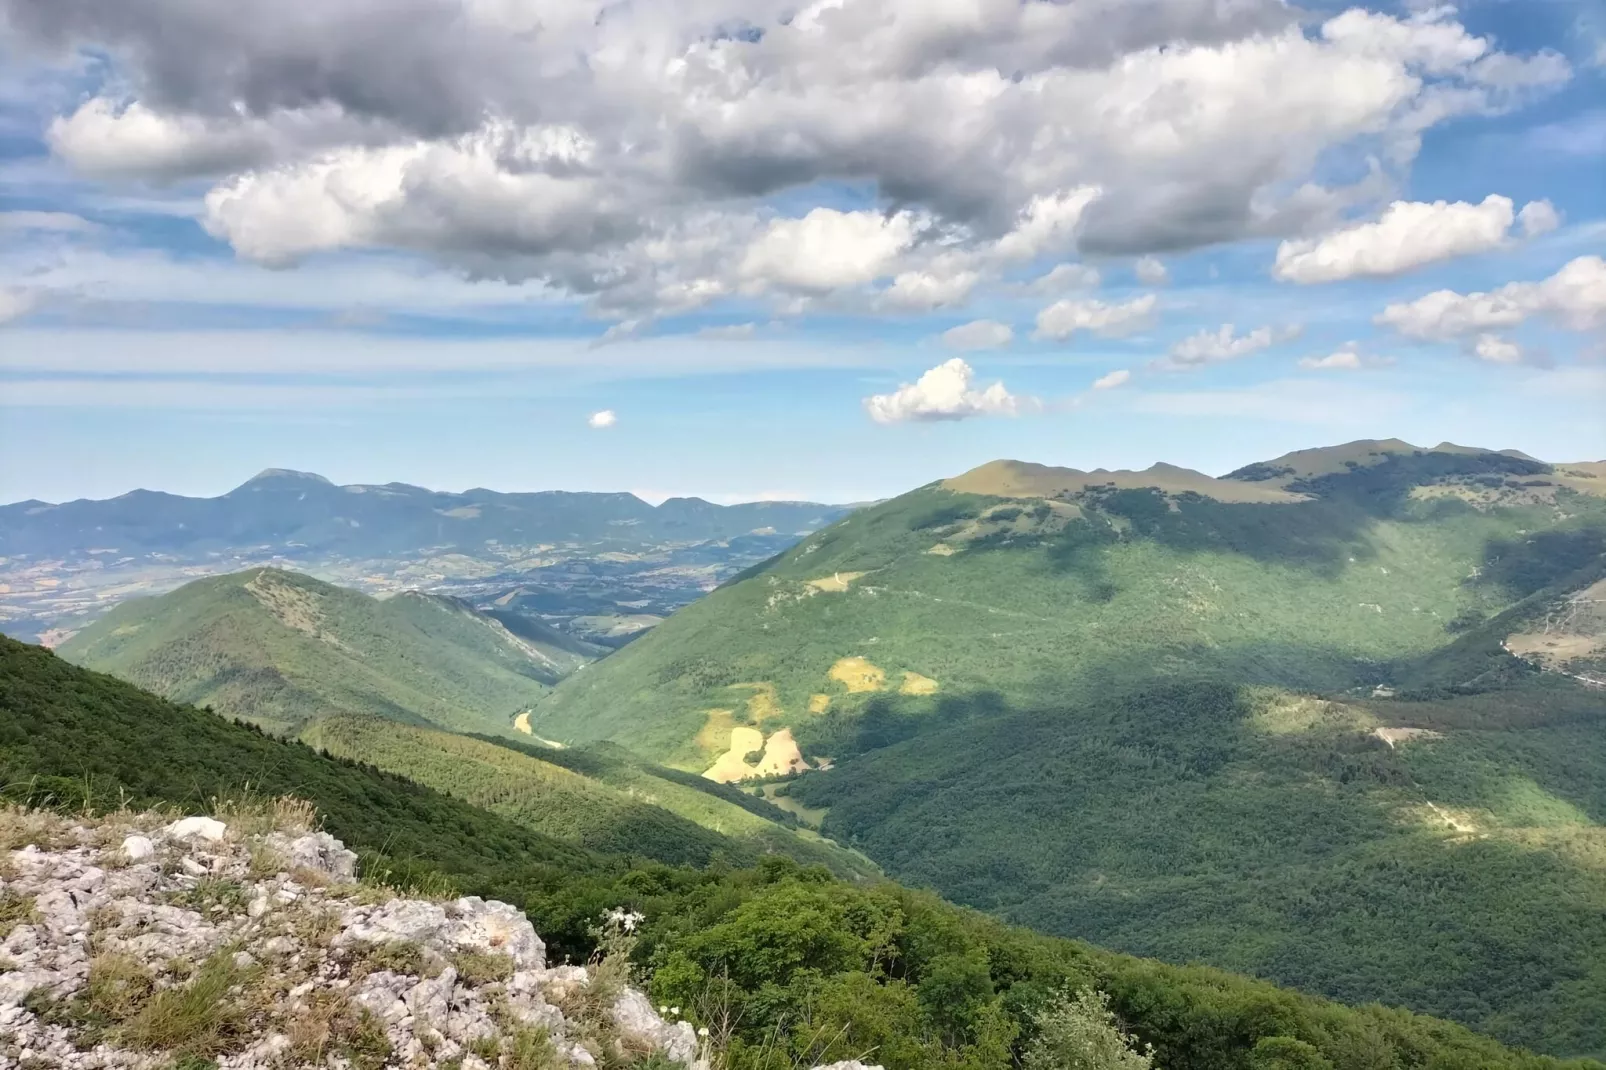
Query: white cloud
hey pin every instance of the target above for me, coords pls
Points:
(1065, 277)
(629, 159)
(600, 421)
(1496, 350)
(1213, 347)
(1151, 271)
(732, 332)
(1120, 377)
(978, 334)
(1574, 297)
(1065, 317)
(1409, 235)
(15, 303)
(1538, 217)
(1347, 357)
(827, 249)
(56, 222)
(924, 291)
(1047, 224)
(944, 393)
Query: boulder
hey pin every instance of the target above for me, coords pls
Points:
(205, 828)
(138, 848)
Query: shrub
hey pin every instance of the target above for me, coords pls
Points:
(1079, 1032)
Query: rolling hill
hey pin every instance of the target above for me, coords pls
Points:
(797, 965)
(1153, 708)
(596, 798)
(279, 649)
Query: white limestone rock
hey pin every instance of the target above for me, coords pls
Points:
(207, 829)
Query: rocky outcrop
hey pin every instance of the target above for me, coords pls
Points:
(127, 942)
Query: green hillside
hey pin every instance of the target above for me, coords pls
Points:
(800, 967)
(1095, 590)
(279, 648)
(604, 802)
(1092, 702)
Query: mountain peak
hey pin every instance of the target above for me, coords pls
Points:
(284, 475)
(1024, 479)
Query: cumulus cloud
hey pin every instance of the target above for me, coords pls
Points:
(1574, 298)
(1538, 217)
(1409, 235)
(924, 291)
(1496, 350)
(1065, 317)
(601, 421)
(1214, 347)
(1347, 357)
(1065, 277)
(1120, 377)
(827, 249)
(1151, 272)
(624, 153)
(944, 393)
(978, 334)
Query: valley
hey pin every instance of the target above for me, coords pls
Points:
(1332, 721)
(601, 567)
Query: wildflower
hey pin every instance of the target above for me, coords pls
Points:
(663, 1008)
(703, 1032)
(675, 1011)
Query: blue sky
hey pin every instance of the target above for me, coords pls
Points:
(235, 243)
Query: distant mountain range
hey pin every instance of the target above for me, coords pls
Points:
(603, 566)
(304, 515)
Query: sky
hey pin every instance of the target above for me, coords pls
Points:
(823, 250)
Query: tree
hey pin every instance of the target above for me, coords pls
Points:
(1080, 1032)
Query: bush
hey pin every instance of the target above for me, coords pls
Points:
(1080, 1033)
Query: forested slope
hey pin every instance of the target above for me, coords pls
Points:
(798, 965)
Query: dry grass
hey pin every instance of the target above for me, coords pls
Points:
(117, 988)
(249, 814)
(858, 674)
(21, 826)
(834, 583)
(915, 684)
(819, 703)
(16, 910)
(482, 967)
(200, 1017)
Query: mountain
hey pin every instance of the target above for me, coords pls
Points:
(1153, 709)
(592, 797)
(787, 965)
(306, 514)
(601, 567)
(376, 680)
(279, 648)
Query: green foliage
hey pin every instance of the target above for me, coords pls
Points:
(196, 1018)
(594, 800)
(15, 909)
(1273, 834)
(1093, 765)
(280, 648)
(482, 967)
(780, 961)
(1078, 1031)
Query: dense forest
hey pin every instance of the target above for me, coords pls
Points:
(783, 961)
